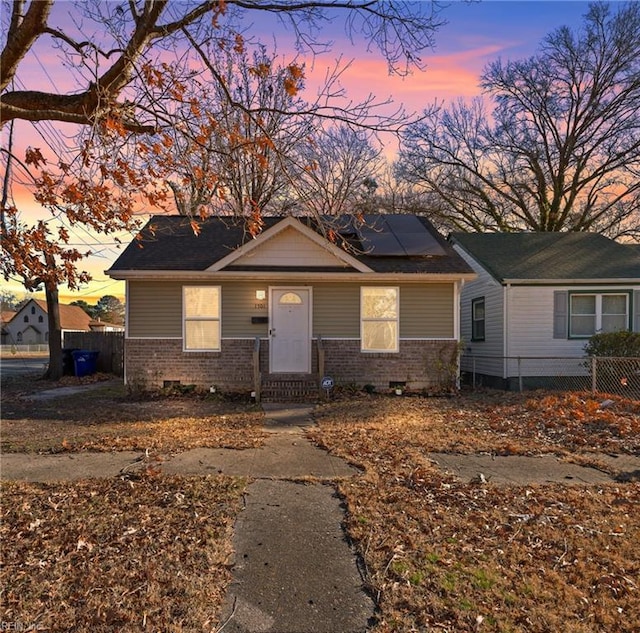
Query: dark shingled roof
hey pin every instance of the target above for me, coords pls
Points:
(169, 243)
(554, 256)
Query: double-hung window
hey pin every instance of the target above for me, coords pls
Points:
(477, 319)
(379, 324)
(201, 318)
(590, 313)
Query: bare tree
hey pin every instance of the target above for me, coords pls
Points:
(560, 151)
(113, 53)
(337, 172)
(232, 141)
(106, 55)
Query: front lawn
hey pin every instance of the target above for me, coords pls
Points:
(450, 556)
(146, 554)
(106, 419)
(152, 552)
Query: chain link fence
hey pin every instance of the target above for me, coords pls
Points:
(619, 376)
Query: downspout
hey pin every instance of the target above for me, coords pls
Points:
(458, 286)
(126, 330)
(505, 331)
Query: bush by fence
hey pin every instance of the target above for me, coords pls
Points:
(110, 346)
(518, 373)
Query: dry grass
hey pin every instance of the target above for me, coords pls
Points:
(114, 555)
(107, 419)
(456, 557)
(153, 553)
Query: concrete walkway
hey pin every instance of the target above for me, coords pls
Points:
(294, 570)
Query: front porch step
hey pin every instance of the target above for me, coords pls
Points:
(289, 389)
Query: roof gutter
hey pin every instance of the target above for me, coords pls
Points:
(573, 282)
(203, 275)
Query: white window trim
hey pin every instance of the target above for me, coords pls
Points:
(598, 314)
(475, 302)
(217, 320)
(396, 348)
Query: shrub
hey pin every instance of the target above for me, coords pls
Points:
(614, 344)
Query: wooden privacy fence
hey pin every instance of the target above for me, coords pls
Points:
(110, 346)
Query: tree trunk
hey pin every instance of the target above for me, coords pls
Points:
(55, 332)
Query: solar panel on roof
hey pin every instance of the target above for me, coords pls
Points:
(397, 236)
(376, 238)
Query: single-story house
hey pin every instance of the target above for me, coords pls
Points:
(363, 302)
(30, 325)
(542, 295)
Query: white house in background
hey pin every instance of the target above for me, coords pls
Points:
(97, 325)
(542, 295)
(30, 325)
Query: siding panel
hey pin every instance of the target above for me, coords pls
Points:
(426, 310)
(493, 345)
(155, 309)
(289, 248)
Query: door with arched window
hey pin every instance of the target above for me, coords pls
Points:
(290, 330)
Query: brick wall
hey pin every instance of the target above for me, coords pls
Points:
(421, 364)
(151, 362)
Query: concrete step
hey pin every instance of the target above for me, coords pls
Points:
(289, 389)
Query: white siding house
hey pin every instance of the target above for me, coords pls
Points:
(539, 297)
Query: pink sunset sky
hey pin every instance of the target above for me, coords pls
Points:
(476, 34)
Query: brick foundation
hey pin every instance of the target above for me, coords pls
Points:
(420, 364)
(151, 362)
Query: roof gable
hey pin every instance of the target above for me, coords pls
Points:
(550, 256)
(71, 317)
(288, 244)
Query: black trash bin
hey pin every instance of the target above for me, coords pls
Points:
(68, 368)
(85, 362)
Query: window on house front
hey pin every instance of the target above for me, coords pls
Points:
(477, 319)
(19, 337)
(40, 319)
(33, 310)
(592, 313)
(201, 318)
(379, 319)
(26, 319)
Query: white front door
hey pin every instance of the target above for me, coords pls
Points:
(290, 330)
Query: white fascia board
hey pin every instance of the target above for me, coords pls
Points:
(262, 275)
(278, 228)
(624, 281)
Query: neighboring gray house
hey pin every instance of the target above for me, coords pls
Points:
(290, 306)
(542, 295)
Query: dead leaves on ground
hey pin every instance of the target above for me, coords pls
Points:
(117, 425)
(492, 422)
(447, 556)
(461, 558)
(106, 555)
